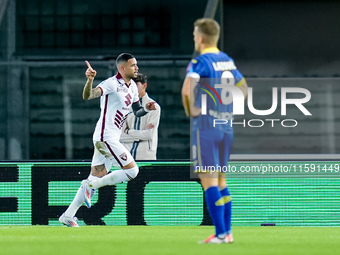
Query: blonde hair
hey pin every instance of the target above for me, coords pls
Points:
(210, 30)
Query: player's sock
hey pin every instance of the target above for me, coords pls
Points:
(115, 177)
(92, 177)
(78, 200)
(216, 209)
(227, 209)
(76, 203)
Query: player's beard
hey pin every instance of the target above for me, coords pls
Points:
(131, 76)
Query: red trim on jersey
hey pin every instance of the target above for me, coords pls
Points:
(104, 116)
(136, 102)
(121, 114)
(119, 76)
(118, 118)
(101, 90)
(113, 154)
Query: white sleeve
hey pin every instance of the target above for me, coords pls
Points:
(135, 97)
(125, 138)
(106, 86)
(194, 75)
(147, 134)
(142, 135)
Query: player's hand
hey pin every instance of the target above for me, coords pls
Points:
(150, 126)
(151, 106)
(90, 72)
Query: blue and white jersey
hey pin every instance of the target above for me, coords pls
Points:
(213, 69)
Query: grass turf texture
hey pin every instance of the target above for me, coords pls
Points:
(159, 240)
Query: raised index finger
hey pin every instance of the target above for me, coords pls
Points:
(88, 64)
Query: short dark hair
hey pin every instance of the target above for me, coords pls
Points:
(141, 78)
(209, 28)
(124, 57)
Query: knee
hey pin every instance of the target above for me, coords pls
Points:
(98, 171)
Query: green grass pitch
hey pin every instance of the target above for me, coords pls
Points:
(149, 240)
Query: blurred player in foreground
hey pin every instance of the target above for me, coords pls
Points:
(117, 95)
(211, 144)
(140, 134)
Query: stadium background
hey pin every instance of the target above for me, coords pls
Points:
(43, 45)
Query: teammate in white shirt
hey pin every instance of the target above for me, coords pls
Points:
(118, 94)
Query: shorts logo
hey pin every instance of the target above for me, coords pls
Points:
(123, 156)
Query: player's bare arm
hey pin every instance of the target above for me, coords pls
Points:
(188, 89)
(89, 92)
(186, 96)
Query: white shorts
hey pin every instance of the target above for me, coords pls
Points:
(110, 153)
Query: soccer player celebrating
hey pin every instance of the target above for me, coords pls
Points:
(212, 71)
(118, 94)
